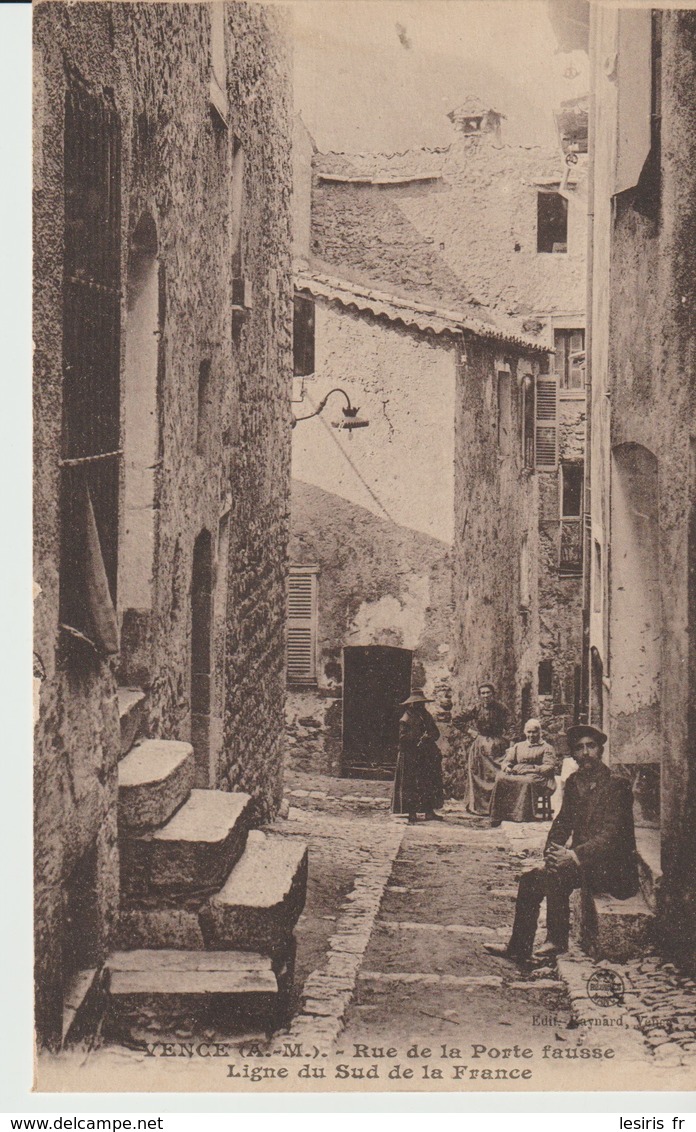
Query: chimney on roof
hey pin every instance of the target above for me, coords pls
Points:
(472, 119)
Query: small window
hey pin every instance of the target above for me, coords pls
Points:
(525, 593)
(303, 336)
(546, 678)
(552, 222)
(205, 406)
(569, 359)
(572, 476)
(302, 625)
(504, 410)
(571, 545)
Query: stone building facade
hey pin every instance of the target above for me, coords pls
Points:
(163, 346)
(641, 583)
(466, 229)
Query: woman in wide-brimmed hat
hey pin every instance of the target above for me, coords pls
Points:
(418, 777)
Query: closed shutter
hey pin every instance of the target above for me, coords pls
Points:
(546, 430)
(302, 626)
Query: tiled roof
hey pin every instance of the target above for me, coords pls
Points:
(421, 316)
(380, 168)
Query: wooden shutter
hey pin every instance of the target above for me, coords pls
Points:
(302, 626)
(546, 423)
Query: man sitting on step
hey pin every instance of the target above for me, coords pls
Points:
(597, 819)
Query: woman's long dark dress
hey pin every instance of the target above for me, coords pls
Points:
(486, 751)
(418, 777)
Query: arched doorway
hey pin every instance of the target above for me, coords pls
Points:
(141, 442)
(635, 625)
(201, 603)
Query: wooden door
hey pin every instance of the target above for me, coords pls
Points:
(376, 679)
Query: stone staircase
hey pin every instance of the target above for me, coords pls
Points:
(208, 904)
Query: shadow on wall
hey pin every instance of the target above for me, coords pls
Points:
(379, 583)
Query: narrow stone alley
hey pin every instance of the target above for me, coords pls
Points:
(393, 986)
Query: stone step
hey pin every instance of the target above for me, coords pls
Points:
(192, 853)
(608, 928)
(155, 973)
(649, 865)
(194, 989)
(154, 779)
(131, 713)
(262, 899)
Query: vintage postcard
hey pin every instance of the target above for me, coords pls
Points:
(365, 546)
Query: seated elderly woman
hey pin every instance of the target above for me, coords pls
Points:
(527, 770)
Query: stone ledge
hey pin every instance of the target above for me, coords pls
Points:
(154, 779)
(194, 852)
(154, 973)
(262, 899)
(607, 928)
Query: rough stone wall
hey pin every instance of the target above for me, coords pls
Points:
(176, 163)
(560, 597)
(374, 509)
(648, 325)
(469, 236)
(496, 509)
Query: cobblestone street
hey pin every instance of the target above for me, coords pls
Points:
(391, 957)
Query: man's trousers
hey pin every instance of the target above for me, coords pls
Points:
(534, 886)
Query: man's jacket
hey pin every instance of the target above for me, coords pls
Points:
(599, 823)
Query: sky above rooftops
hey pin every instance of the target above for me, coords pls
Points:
(383, 74)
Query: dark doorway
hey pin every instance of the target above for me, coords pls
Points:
(201, 594)
(376, 678)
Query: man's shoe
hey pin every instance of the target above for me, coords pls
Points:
(504, 952)
(434, 817)
(548, 950)
(495, 824)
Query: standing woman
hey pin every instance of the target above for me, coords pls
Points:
(418, 777)
(487, 724)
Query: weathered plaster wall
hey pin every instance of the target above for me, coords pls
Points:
(401, 467)
(649, 337)
(374, 509)
(176, 166)
(468, 236)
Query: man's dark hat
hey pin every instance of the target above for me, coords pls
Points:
(416, 698)
(585, 731)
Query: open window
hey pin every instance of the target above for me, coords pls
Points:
(302, 625)
(572, 483)
(545, 677)
(504, 419)
(303, 336)
(569, 360)
(91, 427)
(552, 221)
